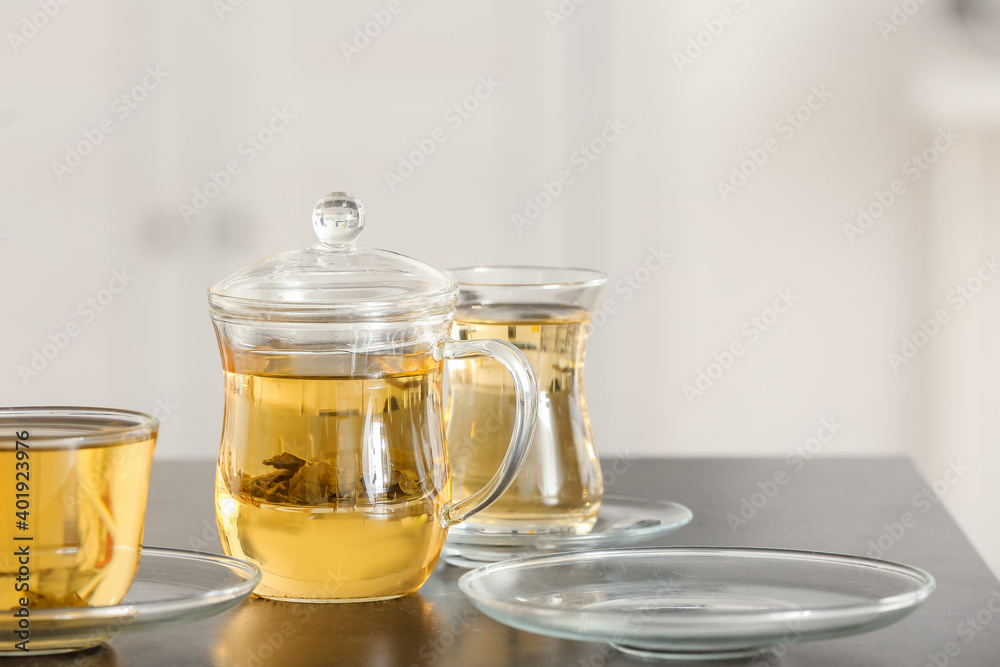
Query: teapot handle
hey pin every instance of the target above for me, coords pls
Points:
(526, 401)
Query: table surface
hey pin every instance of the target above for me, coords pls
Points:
(839, 505)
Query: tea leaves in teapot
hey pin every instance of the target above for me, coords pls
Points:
(299, 481)
(286, 461)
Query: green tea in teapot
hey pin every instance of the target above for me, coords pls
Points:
(333, 473)
(334, 485)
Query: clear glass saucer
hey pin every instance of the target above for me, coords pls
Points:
(622, 521)
(697, 603)
(171, 587)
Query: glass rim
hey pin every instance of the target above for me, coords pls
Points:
(86, 426)
(922, 582)
(571, 277)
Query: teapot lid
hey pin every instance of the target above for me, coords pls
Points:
(332, 280)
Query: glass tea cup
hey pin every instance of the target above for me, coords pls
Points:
(333, 475)
(546, 313)
(74, 494)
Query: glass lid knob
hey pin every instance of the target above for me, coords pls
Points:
(338, 219)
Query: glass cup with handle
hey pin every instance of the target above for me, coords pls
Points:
(333, 475)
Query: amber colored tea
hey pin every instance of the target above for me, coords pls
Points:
(559, 488)
(333, 485)
(85, 511)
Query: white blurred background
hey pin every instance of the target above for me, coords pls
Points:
(112, 115)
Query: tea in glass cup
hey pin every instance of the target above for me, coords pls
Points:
(545, 313)
(74, 491)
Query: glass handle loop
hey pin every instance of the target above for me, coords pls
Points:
(526, 401)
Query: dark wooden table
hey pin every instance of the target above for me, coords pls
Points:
(840, 505)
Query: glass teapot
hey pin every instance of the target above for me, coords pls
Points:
(333, 475)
